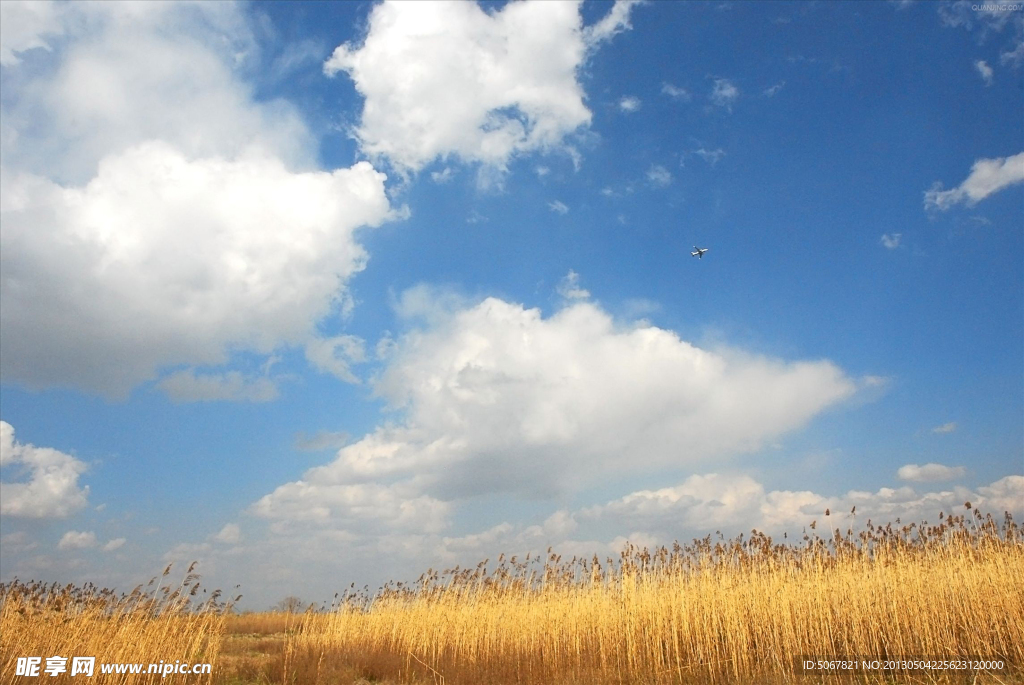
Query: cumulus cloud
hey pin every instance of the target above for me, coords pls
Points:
(322, 501)
(730, 503)
(710, 156)
(987, 177)
(497, 398)
(929, 473)
(675, 92)
(77, 540)
(114, 544)
(558, 207)
(724, 93)
(613, 23)
(735, 502)
(163, 260)
(569, 287)
(23, 24)
(336, 355)
(126, 73)
(51, 489)
(1014, 57)
(155, 215)
(985, 71)
(629, 104)
(230, 534)
(442, 176)
(443, 79)
(659, 176)
(891, 241)
(186, 386)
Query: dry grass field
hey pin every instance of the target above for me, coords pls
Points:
(713, 611)
(161, 622)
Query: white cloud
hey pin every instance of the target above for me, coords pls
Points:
(772, 90)
(364, 507)
(336, 355)
(987, 176)
(231, 386)
(736, 502)
(985, 71)
(153, 213)
(730, 503)
(127, 73)
(569, 287)
(945, 428)
(659, 176)
(52, 489)
(710, 156)
(724, 93)
(17, 543)
(497, 398)
(1014, 57)
(928, 473)
(558, 207)
(1006, 494)
(987, 19)
(629, 104)
(613, 23)
(76, 540)
(23, 23)
(114, 544)
(162, 260)
(443, 79)
(891, 240)
(230, 534)
(442, 176)
(675, 92)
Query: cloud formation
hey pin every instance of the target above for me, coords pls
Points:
(498, 399)
(51, 490)
(987, 177)
(186, 386)
(162, 260)
(658, 176)
(891, 241)
(74, 539)
(23, 24)
(451, 79)
(724, 93)
(930, 473)
(985, 71)
(629, 104)
(155, 214)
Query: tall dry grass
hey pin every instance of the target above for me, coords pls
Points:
(150, 624)
(712, 611)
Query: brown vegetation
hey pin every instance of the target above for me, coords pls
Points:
(160, 623)
(713, 611)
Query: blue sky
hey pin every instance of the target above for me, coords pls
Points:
(320, 293)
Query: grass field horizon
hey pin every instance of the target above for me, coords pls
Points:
(713, 610)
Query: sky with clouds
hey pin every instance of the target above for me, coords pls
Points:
(322, 293)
